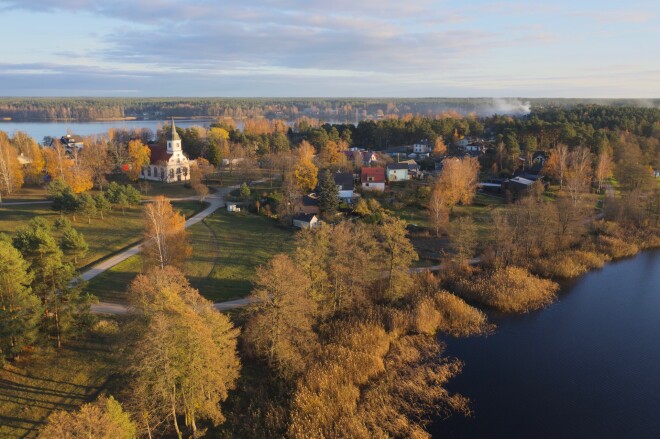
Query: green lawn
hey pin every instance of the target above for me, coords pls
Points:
(45, 382)
(116, 231)
(226, 250)
(245, 241)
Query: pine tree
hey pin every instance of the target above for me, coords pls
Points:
(328, 194)
(87, 206)
(20, 309)
(73, 244)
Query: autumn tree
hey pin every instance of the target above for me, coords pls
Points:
(557, 163)
(165, 237)
(604, 169)
(184, 360)
(96, 158)
(397, 255)
(280, 327)
(20, 309)
(11, 173)
(68, 167)
(458, 182)
(463, 233)
(439, 147)
(139, 155)
(305, 172)
(101, 419)
(438, 211)
(29, 148)
(578, 173)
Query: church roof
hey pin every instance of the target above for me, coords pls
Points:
(173, 135)
(159, 154)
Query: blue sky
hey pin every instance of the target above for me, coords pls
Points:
(370, 48)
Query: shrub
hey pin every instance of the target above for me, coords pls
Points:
(569, 263)
(510, 289)
(459, 319)
(615, 247)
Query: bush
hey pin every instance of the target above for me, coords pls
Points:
(615, 247)
(569, 263)
(510, 289)
(459, 319)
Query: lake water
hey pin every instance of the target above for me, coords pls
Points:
(38, 130)
(586, 367)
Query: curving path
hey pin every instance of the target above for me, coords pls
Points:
(215, 200)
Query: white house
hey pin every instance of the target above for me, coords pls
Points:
(397, 172)
(305, 220)
(422, 147)
(169, 163)
(345, 185)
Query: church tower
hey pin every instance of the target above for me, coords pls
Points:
(173, 141)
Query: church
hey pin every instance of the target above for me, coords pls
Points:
(168, 163)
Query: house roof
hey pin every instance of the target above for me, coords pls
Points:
(159, 154)
(345, 180)
(521, 180)
(310, 200)
(377, 174)
(304, 217)
(71, 139)
(397, 166)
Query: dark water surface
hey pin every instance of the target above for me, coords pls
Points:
(586, 367)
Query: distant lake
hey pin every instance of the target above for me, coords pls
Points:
(588, 366)
(39, 130)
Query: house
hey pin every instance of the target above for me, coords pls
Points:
(518, 185)
(372, 179)
(473, 148)
(345, 184)
(71, 142)
(422, 147)
(168, 163)
(233, 207)
(305, 220)
(310, 204)
(24, 160)
(397, 172)
(462, 143)
(413, 167)
(368, 157)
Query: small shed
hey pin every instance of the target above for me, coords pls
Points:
(233, 207)
(305, 220)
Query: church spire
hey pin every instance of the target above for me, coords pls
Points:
(173, 135)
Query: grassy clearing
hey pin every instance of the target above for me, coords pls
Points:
(226, 250)
(62, 380)
(27, 193)
(169, 190)
(114, 233)
(245, 242)
(104, 237)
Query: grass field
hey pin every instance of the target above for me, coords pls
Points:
(245, 241)
(105, 237)
(226, 250)
(50, 381)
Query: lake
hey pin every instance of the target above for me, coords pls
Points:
(586, 367)
(38, 130)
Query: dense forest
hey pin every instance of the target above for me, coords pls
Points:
(329, 109)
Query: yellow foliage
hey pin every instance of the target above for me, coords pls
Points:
(140, 155)
(510, 289)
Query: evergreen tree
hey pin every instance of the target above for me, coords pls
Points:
(102, 204)
(73, 244)
(328, 194)
(20, 309)
(87, 206)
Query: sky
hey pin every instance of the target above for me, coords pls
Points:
(330, 48)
